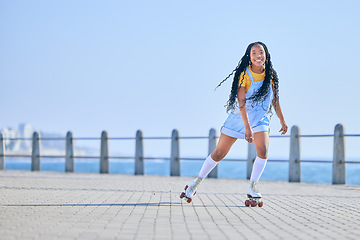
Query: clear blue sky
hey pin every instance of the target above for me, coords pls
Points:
(120, 66)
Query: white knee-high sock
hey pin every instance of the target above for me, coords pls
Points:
(206, 168)
(258, 168)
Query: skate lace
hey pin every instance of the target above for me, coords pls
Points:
(196, 183)
(254, 187)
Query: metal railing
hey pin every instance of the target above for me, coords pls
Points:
(338, 162)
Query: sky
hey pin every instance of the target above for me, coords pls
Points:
(120, 66)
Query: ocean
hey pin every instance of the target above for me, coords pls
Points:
(274, 171)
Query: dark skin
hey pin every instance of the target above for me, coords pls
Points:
(261, 139)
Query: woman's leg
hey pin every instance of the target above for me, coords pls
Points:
(222, 148)
(261, 140)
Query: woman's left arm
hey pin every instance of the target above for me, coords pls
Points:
(278, 111)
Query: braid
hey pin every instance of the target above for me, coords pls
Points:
(226, 78)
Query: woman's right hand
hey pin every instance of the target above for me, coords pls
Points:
(249, 135)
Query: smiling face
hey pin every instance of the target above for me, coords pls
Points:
(257, 55)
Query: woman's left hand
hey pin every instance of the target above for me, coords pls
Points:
(284, 128)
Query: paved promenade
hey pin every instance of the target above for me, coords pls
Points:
(46, 205)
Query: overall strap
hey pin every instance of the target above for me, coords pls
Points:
(250, 75)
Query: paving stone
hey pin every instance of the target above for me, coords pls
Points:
(48, 205)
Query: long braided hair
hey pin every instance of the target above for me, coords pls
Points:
(261, 94)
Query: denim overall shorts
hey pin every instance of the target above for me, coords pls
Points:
(258, 115)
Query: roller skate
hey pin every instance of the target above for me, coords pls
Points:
(254, 196)
(190, 191)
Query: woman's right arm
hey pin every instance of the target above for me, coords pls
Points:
(249, 136)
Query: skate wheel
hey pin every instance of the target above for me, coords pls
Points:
(247, 203)
(186, 187)
(182, 195)
(260, 204)
(253, 203)
(189, 200)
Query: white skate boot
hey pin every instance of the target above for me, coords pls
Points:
(254, 195)
(190, 191)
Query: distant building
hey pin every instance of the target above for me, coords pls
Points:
(11, 143)
(21, 140)
(26, 131)
(13, 138)
(60, 145)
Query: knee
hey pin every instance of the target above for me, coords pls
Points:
(218, 155)
(262, 153)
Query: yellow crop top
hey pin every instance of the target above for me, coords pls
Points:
(247, 81)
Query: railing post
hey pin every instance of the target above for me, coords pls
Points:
(212, 146)
(175, 154)
(139, 154)
(69, 155)
(339, 170)
(294, 159)
(35, 154)
(2, 151)
(250, 159)
(104, 153)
